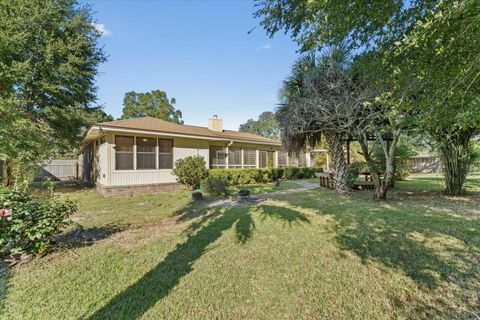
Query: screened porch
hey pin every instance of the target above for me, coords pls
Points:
(242, 158)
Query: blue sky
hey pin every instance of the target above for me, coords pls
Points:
(199, 52)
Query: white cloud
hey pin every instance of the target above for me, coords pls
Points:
(264, 47)
(104, 32)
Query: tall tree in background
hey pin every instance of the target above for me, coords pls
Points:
(265, 126)
(420, 50)
(153, 104)
(317, 100)
(49, 57)
(441, 60)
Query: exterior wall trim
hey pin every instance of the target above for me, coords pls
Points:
(200, 137)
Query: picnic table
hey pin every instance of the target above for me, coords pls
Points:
(326, 179)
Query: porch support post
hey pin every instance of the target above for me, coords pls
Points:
(156, 154)
(275, 159)
(226, 157)
(135, 153)
(243, 159)
(328, 161)
(257, 158)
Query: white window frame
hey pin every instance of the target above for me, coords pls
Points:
(155, 153)
(159, 153)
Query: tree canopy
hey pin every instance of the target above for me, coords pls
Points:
(153, 104)
(265, 126)
(353, 23)
(421, 56)
(49, 57)
(316, 100)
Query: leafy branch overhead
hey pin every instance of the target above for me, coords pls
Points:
(420, 56)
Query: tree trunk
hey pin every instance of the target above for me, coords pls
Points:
(381, 186)
(456, 162)
(339, 165)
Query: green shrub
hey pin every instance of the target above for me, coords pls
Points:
(475, 157)
(353, 171)
(251, 176)
(247, 176)
(291, 173)
(27, 223)
(214, 185)
(190, 171)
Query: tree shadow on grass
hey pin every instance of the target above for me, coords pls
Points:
(4, 279)
(398, 236)
(83, 237)
(156, 284)
(287, 215)
(430, 246)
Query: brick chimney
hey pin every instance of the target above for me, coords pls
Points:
(215, 123)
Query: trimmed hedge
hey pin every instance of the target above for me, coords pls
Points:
(249, 176)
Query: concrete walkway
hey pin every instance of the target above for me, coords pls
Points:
(260, 197)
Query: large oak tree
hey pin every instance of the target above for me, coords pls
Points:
(49, 57)
(153, 104)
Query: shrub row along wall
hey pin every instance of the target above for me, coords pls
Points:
(248, 176)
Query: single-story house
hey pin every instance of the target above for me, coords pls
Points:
(142, 151)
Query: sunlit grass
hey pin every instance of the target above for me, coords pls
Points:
(302, 255)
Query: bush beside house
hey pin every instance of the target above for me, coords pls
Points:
(28, 223)
(213, 185)
(249, 176)
(190, 171)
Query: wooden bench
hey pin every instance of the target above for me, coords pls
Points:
(326, 179)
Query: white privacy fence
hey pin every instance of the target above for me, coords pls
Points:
(59, 170)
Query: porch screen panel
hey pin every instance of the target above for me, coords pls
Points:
(165, 154)
(123, 153)
(234, 158)
(249, 158)
(282, 159)
(293, 160)
(217, 157)
(146, 153)
(263, 159)
(302, 159)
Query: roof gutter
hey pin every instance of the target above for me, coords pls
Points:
(200, 137)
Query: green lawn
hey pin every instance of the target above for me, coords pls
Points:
(307, 254)
(266, 188)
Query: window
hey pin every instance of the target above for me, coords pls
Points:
(249, 158)
(165, 154)
(217, 157)
(282, 159)
(234, 158)
(123, 153)
(263, 159)
(146, 153)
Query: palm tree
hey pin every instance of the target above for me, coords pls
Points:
(318, 100)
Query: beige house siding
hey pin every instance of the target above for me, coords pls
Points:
(108, 176)
(105, 161)
(184, 147)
